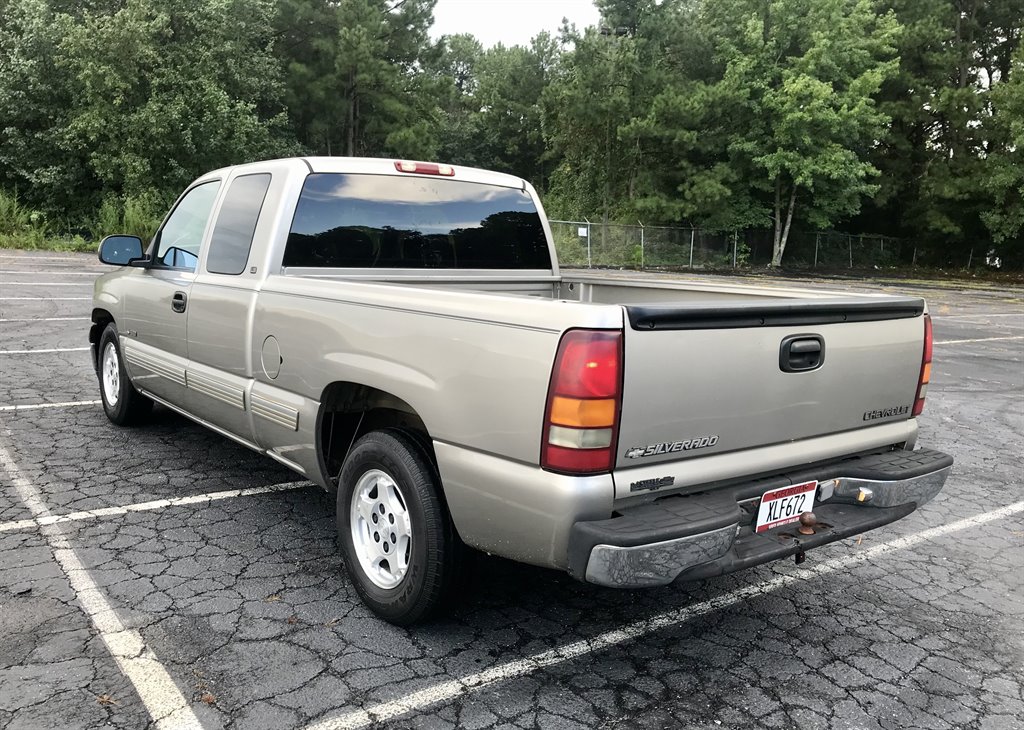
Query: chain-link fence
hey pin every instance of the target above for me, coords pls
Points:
(586, 244)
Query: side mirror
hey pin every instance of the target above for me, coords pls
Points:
(120, 250)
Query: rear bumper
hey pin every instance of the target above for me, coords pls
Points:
(702, 535)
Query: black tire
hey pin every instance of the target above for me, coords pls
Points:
(434, 549)
(128, 406)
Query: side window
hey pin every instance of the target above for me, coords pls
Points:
(183, 232)
(236, 224)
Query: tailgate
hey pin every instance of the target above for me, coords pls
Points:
(701, 380)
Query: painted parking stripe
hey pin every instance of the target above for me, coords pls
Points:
(453, 689)
(38, 406)
(164, 702)
(983, 315)
(979, 339)
(46, 283)
(155, 504)
(44, 258)
(45, 319)
(45, 299)
(50, 350)
(53, 271)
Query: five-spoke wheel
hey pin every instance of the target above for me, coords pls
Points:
(396, 536)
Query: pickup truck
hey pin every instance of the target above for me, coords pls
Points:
(400, 334)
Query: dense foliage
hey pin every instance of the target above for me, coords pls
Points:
(897, 117)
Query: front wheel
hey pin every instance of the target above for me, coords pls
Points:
(396, 536)
(122, 403)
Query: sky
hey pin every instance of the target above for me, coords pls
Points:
(512, 22)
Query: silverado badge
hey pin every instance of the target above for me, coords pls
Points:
(701, 442)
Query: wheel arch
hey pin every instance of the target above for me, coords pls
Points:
(100, 319)
(348, 410)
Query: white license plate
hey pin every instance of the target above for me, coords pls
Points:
(784, 505)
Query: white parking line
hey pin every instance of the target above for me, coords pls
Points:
(983, 315)
(156, 504)
(43, 258)
(166, 705)
(46, 283)
(65, 404)
(50, 272)
(45, 299)
(45, 319)
(54, 349)
(453, 689)
(979, 339)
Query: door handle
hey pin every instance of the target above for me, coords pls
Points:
(801, 353)
(178, 301)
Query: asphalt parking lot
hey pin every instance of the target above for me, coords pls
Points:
(166, 577)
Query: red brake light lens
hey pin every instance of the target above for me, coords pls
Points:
(926, 368)
(425, 168)
(588, 364)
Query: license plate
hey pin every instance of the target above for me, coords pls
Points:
(784, 505)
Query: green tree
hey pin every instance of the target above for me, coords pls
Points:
(603, 85)
(509, 93)
(453, 70)
(803, 74)
(954, 55)
(1004, 181)
(134, 99)
(355, 76)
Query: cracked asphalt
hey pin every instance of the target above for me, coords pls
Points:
(244, 603)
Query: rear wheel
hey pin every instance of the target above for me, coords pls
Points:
(396, 536)
(122, 403)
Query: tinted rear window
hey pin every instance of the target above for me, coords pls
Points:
(390, 221)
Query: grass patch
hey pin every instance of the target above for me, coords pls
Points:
(24, 228)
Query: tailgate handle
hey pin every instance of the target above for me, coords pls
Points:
(801, 353)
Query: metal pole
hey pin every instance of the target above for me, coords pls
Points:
(692, 231)
(970, 258)
(588, 242)
(849, 240)
(913, 261)
(817, 238)
(641, 244)
(735, 235)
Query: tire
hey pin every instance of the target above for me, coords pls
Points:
(123, 405)
(406, 572)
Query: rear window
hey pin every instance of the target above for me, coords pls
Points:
(389, 221)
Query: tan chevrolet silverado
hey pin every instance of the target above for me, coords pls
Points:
(400, 333)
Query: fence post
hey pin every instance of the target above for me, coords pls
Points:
(913, 261)
(641, 244)
(970, 258)
(849, 240)
(692, 231)
(817, 238)
(735, 237)
(588, 242)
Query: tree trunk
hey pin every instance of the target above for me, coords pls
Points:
(777, 239)
(350, 122)
(782, 229)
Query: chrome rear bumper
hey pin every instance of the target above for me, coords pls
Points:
(714, 533)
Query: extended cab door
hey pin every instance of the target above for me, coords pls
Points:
(220, 367)
(153, 336)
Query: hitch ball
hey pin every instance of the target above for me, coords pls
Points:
(807, 523)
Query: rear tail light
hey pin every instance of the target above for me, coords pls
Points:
(926, 368)
(582, 416)
(425, 168)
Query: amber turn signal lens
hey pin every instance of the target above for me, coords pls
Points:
(582, 413)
